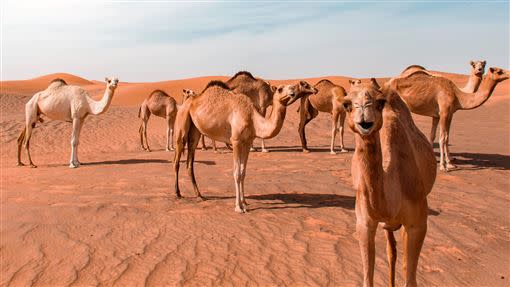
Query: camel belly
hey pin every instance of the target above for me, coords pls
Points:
(56, 108)
(323, 104)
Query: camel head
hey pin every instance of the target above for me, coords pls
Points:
(354, 82)
(477, 68)
(111, 83)
(498, 74)
(287, 94)
(364, 104)
(186, 93)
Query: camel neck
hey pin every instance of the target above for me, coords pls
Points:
(472, 84)
(371, 181)
(470, 101)
(269, 128)
(101, 106)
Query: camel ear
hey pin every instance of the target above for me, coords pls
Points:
(184, 90)
(351, 82)
(483, 63)
(106, 79)
(375, 83)
(273, 89)
(280, 89)
(492, 69)
(303, 84)
(472, 63)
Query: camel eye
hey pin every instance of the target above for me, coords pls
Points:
(347, 105)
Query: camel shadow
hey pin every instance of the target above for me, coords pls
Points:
(300, 149)
(478, 161)
(139, 161)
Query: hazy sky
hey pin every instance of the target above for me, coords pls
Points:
(163, 40)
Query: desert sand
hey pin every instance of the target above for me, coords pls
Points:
(115, 220)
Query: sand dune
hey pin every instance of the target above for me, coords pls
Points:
(115, 221)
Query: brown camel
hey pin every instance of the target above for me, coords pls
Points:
(440, 98)
(328, 99)
(186, 93)
(393, 169)
(475, 76)
(232, 118)
(161, 105)
(258, 90)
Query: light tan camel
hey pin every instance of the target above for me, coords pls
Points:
(232, 118)
(186, 93)
(161, 105)
(393, 170)
(258, 90)
(440, 98)
(65, 103)
(474, 80)
(328, 99)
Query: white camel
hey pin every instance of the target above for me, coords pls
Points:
(63, 102)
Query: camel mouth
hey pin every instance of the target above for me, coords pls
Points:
(365, 127)
(290, 98)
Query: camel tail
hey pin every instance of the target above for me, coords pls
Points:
(182, 126)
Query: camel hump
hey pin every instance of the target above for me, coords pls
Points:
(414, 67)
(324, 81)
(216, 83)
(243, 73)
(58, 82)
(159, 92)
(419, 73)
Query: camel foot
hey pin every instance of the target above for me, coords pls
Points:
(450, 166)
(332, 152)
(305, 150)
(204, 148)
(215, 151)
(245, 202)
(33, 165)
(200, 198)
(170, 149)
(74, 165)
(20, 164)
(253, 149)
(265, 150)
(344, 150)
(178, 195)
(240, 210)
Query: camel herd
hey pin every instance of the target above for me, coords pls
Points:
(393, 166)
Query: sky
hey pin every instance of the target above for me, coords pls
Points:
(156, 40)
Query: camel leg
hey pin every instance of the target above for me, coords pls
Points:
(413, 241)
(169, 134)
(391, 250)
(435, 122)
(21, 138)
(179, 148)
(334, 124)
(366, 239)
(214, 146)
(341, 129)
(202, 139)
(263, 144)
(304, 118)
(442, 137)
(140, 131)
(241, 152)
(28, 135)
(75, 138)
(145, 134)
(193, 139)
(449, 164)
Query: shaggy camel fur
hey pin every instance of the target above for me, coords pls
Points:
(475, 76)
(186, 93)
(65, 103)
(232, 118)
(161, 105)
(440, 98)
(259, 91)
(393, 170)
(328, 99)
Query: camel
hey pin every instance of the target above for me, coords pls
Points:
(393, 170)
(440, 98)
(186, 93)
(63, 102)
(258, 90)
(474, 80)
(225, 116)
(328, 99)
(161, 105)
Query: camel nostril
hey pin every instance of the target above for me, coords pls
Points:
(366, 125)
